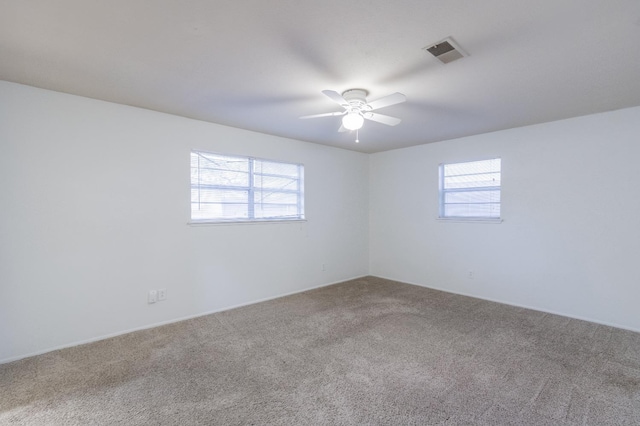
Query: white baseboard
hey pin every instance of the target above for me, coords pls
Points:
(533, 308)
(158, 324)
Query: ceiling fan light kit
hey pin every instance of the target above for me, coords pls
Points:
(353, 121)
(357, 109)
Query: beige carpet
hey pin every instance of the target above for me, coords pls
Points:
(368, 351)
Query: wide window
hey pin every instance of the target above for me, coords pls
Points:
(238, 189)
(470, 190)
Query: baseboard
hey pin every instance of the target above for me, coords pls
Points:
(158, 324)
(533, 308)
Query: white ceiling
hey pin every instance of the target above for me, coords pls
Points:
(259, 65)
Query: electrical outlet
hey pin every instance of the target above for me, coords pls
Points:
(162, 294)
(324, 267)
(470, 275)
(153, 296)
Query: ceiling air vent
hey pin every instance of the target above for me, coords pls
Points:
(446, 50)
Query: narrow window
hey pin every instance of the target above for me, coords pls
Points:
(239, 189)
(470, 190)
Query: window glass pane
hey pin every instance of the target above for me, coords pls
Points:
(471, 189)
(222, 196)
(468, 197)
(274, 168)
(472, 181)
(223, 177)
(215, 161)
(262, 181)
(243, 188)
(275, 197)
(472, 167)
(491, 210)
(264, 211)
(219, 211)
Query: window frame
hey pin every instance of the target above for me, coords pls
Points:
(442, 193)
(251, 189)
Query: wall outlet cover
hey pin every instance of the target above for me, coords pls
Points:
(162, 294)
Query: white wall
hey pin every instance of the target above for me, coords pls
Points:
(94, 203)
(570, 240)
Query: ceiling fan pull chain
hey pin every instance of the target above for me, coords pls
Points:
(357, 136)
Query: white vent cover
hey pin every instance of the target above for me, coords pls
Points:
(446, 50)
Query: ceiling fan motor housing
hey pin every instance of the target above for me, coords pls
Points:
(357, 98)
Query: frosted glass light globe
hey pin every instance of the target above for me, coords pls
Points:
(353, 121)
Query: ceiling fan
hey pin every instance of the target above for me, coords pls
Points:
(357, 109)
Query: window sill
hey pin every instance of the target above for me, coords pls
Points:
(470, 220)
(243, 222)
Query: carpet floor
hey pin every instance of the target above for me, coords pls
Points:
(367, 351)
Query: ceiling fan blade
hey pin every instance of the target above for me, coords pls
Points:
(394, 98)
(336, 97)
(380, 118)
(328, 114)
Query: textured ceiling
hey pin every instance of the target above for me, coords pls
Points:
(259, 64)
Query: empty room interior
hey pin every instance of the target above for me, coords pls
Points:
(363, 212)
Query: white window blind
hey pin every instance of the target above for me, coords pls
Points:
(234, 189)
(470, 190)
